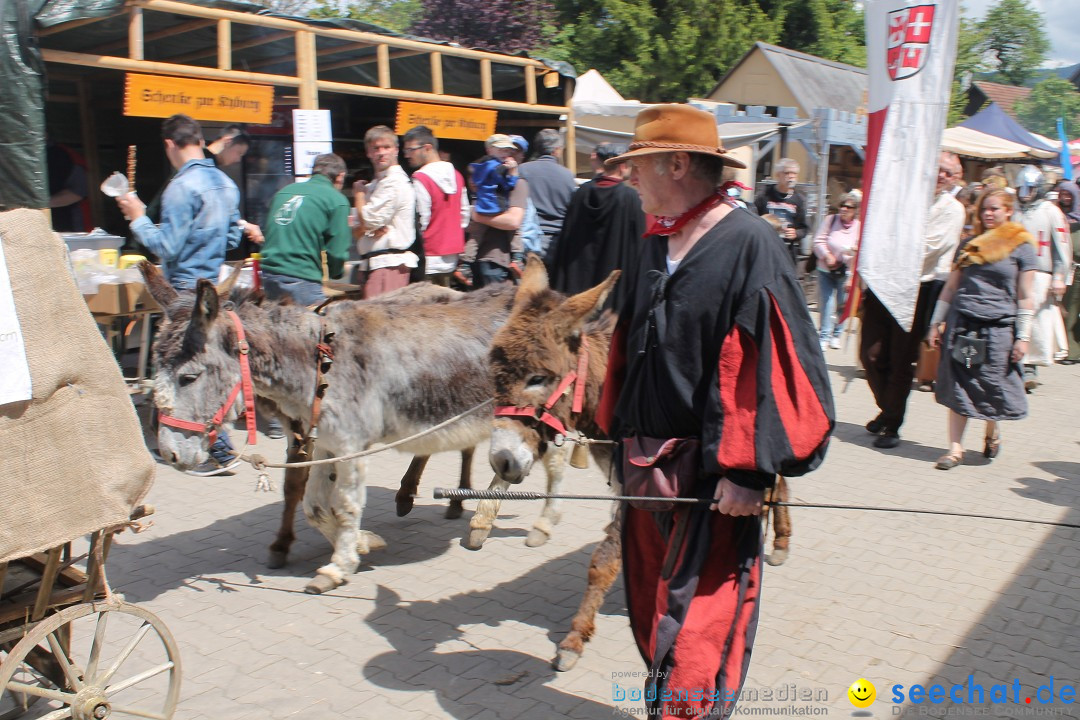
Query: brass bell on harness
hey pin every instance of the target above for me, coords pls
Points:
(579, 456)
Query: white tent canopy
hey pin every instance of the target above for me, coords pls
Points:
(601, 115)
(972, 143)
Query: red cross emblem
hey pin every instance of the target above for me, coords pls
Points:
(1043, 242)
(909, 40)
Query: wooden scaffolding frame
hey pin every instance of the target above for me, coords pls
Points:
(308, 60)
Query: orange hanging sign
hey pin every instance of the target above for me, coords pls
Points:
(162, 96)
(446, 121)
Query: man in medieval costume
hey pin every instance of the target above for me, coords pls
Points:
(716, 385)
(1047, 224)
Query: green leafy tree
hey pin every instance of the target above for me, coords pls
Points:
(831, 29)
(1014, 40)
(1052, 98)
(396, 15)
(668, 50)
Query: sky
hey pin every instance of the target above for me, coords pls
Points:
(1062, 26)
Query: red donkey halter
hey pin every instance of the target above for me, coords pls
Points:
(543, 414)
(244, 384)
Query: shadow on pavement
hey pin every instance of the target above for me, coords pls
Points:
(431, 651)
(238, 544)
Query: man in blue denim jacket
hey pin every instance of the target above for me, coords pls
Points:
(200, 217)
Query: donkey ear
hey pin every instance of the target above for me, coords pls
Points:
(227, 286)
(576, 310)
(533, 280)
(157, 285)
(203, 316)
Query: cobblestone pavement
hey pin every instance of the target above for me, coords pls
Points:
(428, 629)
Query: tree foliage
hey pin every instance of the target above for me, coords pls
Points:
(1013, 40)
(1050, 99)
(658, 50)
(507, 26)
(968, 62)
(396, 15)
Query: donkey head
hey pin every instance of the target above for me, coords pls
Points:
(195, 360)
(530, 355)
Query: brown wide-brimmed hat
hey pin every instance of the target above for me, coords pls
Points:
(675, 128)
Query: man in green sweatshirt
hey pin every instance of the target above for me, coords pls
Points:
(306, 218)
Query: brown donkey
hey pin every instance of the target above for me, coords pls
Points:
(539, 346)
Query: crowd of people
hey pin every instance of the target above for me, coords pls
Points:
(714, 353)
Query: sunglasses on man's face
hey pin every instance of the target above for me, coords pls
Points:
(847, 207)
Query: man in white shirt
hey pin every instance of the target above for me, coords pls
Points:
(442, 204)
(886, 350)
(387, 210)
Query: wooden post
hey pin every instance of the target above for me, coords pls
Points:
(570, 151)
(48, 578)
(307, 70)
(224, 45)
(88, 128)
(135, 34)
(485, 78)
(436, 73)
(530, 84)
(382, 52)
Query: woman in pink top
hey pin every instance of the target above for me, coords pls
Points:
(834, 247)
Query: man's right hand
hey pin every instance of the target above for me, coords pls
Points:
(463, 274)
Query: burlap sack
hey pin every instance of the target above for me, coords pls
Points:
(72, 459)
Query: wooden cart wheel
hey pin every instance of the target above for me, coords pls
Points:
(110, 668)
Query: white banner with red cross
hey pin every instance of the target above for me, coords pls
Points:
(910, 52)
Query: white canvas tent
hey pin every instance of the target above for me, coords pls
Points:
(972, 143)
(601, 114)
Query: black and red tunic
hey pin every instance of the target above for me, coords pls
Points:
(722, 349)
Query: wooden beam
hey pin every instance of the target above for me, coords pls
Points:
(530, 84)
(88, 128)
(349, 89)
(485, 79)
(224, 45)
(156, 35)
(436, 73)
(393, 55)
(254, 42)
(48, 578)
(307, 70)
(57, 98)
(570, 150)
(135, 34)
(180, 8)
(74, 24)
(108, 62)
(382, 52)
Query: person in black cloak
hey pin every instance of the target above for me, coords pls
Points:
(716, 385)
(601, 231)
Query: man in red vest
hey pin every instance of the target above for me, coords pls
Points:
(441, 203)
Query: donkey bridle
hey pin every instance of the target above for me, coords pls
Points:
(542, 414)
(210, 429)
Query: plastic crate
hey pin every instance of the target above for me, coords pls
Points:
(92, 241)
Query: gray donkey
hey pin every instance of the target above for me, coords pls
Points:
(400, 367)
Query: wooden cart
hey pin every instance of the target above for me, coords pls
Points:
(70, 648)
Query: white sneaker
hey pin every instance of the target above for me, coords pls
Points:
(824, 344)
(835, 343)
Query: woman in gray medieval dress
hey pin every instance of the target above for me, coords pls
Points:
(983, 321)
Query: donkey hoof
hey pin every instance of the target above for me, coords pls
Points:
(565, 659)
(321, 584)
(536, 538)
(277, 559)
(404, 507)
(776, 557)
(476, 537)
(369, 542)
(453, 511)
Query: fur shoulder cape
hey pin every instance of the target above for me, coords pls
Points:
(994, 245)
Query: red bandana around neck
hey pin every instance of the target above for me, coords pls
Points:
(665, 226)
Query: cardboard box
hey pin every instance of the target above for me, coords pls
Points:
(121, 299)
